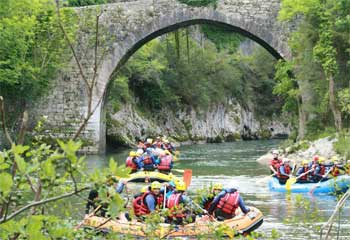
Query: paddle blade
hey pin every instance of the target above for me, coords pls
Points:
(187, 177)
(290, 182)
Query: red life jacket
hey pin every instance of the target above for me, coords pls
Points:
(276, 163)
(173, 204)
(139, 203)
(304, 177)
(229, 202)
(208, 203)
(322, 170)
(147, 145)
(147, 160)
(165, 162)
(158, 144)
(130, 163)
(287, 170)
(335, 171)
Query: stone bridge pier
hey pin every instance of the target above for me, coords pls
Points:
(132, 24)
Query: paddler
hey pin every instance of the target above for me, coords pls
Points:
(149, 201)
(177, 202)
(214, 191)
(275, 163)
(303, 169)
(93, 198)
(284, 171)
(225, 204)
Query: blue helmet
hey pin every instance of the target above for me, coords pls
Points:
(172, 184)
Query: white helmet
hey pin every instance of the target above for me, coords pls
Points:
(275, 152)
(139, 151)
(285, 160)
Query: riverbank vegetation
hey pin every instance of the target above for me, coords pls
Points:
(315, 81)
(32, 50)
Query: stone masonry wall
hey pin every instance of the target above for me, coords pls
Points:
(131, 24)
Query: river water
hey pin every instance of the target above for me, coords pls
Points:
(234, 165)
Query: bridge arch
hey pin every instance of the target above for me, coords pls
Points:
(135, 22)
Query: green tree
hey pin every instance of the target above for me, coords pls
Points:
(78, 3)
(320, 52)
(32, 49)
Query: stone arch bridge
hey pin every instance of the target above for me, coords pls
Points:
(135, 22)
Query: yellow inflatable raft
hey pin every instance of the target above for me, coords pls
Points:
(146, 176)
(241, 224)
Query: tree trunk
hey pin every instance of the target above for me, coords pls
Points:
(302, 120)
(188, 46)
(177, 44)
(333, 106)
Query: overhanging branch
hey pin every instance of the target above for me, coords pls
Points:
(33, 204)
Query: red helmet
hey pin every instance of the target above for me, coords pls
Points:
(315, 158)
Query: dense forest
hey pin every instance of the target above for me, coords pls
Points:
(315, 82)
(197, 66)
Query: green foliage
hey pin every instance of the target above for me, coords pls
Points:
(32, 48)
(320, 50)
(165, 74)
(344, 100)
(316, 130)
(292, 8)
(199, 3)
(119, 92)
(224, 39)
(30, 174)
(79, 3)
(342, 146)
(286, 86)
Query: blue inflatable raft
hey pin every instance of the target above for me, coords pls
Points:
(340, 183)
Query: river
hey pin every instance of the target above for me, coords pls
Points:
(234, 164)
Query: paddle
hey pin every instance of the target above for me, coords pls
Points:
(187, 177)
(175, 156)
(293, 180)
(178, 170)
(318, 183)
(265, 178)
(205, 211)
(90, 215)
(164, 196)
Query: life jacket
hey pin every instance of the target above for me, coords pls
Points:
(335, 171)
(147, 145)
(130, 162)
(167, 146)
(304, 177)
(208, 202)
(165, 162)
(173, 204)
(275, 163)
(287, 170)
(322, 170)
(147, 160)
(140, 206)
(229, 202)
(158, 144)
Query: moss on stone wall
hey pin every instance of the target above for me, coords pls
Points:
(233, 137)
(200, 3)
